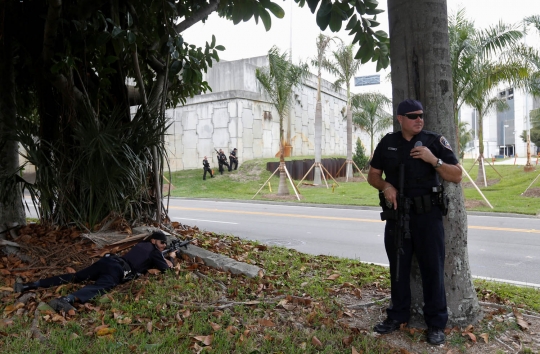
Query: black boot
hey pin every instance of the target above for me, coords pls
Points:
(21, 288)
(63, 303)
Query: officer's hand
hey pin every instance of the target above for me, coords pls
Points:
(390, 194)
(172, 254)
(169, 263)
(423, 153)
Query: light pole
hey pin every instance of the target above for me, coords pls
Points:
(504, 137)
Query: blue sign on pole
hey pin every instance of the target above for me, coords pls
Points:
(367, 80)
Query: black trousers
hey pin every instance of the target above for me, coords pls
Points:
(207, 170)
(233, 162)
(221, 167)
(427, 243)
(106, 274)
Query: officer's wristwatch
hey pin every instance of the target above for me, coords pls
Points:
(439, 163)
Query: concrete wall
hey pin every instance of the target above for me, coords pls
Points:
(233, 115)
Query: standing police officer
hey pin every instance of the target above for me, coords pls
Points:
(106, 273)
(233, 160)
(425, 155)
(206, 167)
(222, 160)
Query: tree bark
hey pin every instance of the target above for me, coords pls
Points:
(318, 138)
(349, 167)
(421, 70)
(12, 211)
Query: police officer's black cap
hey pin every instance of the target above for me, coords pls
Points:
(158, 235)
(408, 106)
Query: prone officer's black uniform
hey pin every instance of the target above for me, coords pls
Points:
(426, 226)
(107, 272)
(206, 167)
(233, 160)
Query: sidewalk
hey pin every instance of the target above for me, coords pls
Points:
(518, 161)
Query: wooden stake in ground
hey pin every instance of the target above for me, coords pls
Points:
(281, 165)
(475, 186)
(322, 170)
(348, 162)
(481, 161)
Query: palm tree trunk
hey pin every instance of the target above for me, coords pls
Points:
(480, 177)
(349, 173)
(318, 141)
(282, 187)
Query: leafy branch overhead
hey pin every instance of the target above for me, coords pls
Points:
(362, 19)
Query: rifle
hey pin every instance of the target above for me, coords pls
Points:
(402, 230)
(176, 246)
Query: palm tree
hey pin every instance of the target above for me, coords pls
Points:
(344, 67)
(464, 137)
(368, 112)
(481, 98)
(475, 72)
(323, 42)
(278, 81)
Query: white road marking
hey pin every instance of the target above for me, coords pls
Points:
(219, 222)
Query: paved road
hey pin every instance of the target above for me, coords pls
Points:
(503, 248)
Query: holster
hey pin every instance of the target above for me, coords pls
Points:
(388, 213)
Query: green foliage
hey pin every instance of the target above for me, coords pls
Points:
(370, 113)
(465, 136)
(359, 157)
(79, 61)
(278, 80)
(108, 169)
(534, 117)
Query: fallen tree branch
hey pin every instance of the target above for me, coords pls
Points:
(9, 243)
(367, 304)
(36, 333)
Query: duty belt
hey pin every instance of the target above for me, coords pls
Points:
(128, 274)
(421, 205)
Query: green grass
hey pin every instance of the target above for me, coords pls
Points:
(504, 195)
(171, 313)
(180, 308)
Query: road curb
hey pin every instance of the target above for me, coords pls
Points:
(219, 261)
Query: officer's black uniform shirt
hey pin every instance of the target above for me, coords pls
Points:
(420, 176)
(144, 256)
(206, 164)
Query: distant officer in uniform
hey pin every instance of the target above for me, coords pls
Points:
(222, 160)
(425, 155)
(233, 160)
(206, 167)
(106, 273)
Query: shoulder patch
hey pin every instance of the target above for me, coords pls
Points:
(445, 143)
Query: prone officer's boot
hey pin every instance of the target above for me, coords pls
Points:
(21, 288)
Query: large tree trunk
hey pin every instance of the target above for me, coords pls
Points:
(12, 212)
(421, 70)
(318, 141)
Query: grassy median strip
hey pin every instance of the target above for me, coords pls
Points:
(504, 193)
(303, 304)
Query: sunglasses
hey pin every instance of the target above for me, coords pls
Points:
(414, 115)
(162, 242)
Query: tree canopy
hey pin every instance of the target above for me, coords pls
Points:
(87, 63)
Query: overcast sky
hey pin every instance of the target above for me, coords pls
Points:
(247, 39)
